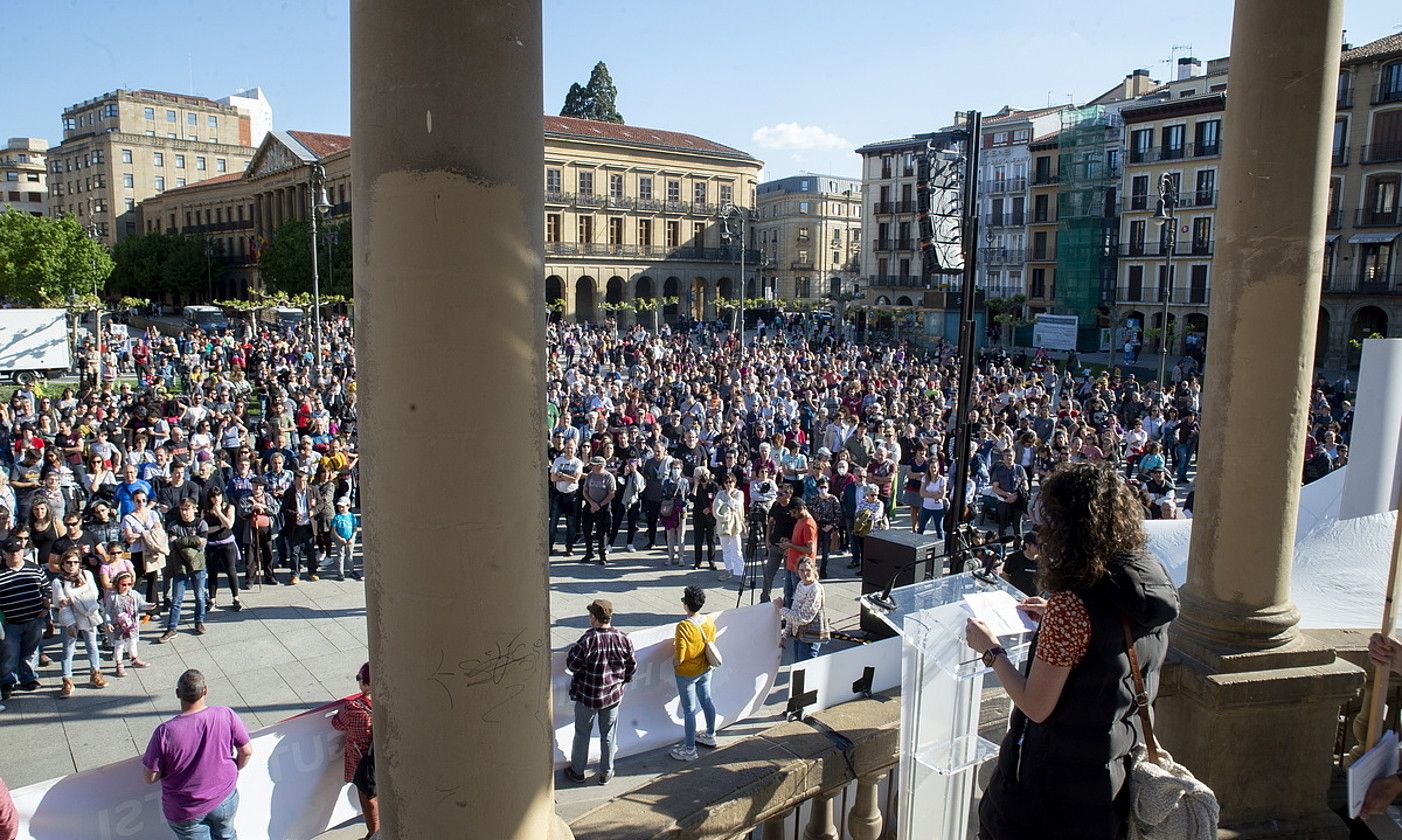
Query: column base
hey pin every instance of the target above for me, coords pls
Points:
(1262, 738)
(560, 830)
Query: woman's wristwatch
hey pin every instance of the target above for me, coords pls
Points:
(992, 654)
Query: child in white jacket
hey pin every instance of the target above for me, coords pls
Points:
(123, 606)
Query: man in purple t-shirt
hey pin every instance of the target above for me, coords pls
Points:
(197, 756)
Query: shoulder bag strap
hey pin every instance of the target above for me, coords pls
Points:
(1141, 697)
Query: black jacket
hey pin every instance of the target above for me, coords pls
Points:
(1065, 777)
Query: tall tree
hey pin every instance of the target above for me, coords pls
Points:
(285, 265)
(43, 261)
(598, 100)
(158, 264)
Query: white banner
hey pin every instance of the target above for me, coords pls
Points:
(1055, 332)
(292, 789)
(831, 674)
(650, 714)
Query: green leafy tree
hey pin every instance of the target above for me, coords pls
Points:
(44, 261)
(160, 264)
(285, 265)
(598, 100)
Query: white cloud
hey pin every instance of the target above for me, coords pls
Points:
(794, 136)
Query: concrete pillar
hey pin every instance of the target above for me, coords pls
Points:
(820, 822)
(864, 820)
(445, 109)
(1251, 693)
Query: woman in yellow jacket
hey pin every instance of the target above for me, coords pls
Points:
(694, 673)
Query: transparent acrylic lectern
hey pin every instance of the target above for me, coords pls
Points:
(941, 693)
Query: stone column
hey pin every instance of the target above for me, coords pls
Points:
(1253, 708)
(445, 110)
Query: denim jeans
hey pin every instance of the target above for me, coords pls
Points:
(70, 646)
(790, 584)
(584, 730)
(803, 651)
(1183, 453)
(216, 825)
(691, 690)
(928, 516)
(178, 585)
(20, 647)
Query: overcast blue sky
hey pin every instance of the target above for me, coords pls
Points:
(798, 83)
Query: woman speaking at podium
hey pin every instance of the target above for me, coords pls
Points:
(1063, 765)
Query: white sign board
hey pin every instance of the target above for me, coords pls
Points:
(34, 339)
(831, 675)
(1055, 332)
(650, 715)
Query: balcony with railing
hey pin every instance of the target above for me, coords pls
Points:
(1182, 294)
(1198, 198)
(1007, 185)
(654, 252)
(1184, 248)
(1198, 150)
(900, 281)
(1381, 152)
(801, 265)
(1001, 256)
(1362, 284)
(1378, 218)
(1387, 92)
(1139, 201)
(1045, 179)
(995, 220)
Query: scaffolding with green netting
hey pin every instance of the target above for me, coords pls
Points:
(1087, 222)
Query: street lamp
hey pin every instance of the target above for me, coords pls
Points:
(208, 270)
(729, 212)
(1168, 222)
(95, 233)
(320, 206)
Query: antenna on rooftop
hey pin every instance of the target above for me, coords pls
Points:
(1174, 52)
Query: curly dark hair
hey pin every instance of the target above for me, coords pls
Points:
(694, 598)
(1088, 516)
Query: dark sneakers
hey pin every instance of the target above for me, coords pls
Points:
(573, 776)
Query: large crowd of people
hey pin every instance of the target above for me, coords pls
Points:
(195, 463)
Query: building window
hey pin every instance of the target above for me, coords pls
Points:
(616, 230)
(803, 207)
(1202, 235)
(126, 155)
(552, 181)
(127, 180)
(1207, 137)
(585, 180)
(585, 229)
(1135, 290)
(1140, 142)
(1039, 283)
(727, 194)
(179, 161)
(674, 234)
(802, 257)
(645, 233)
(170, 115)
(158, 159)
(220, 165)
(148, 113)
(70, 124)
(698, 234)
(674, 191)
(698, 192)
(130, 203)
(1197, 288)
(160, 183)
(213, 121)
(1172, 141)
(645, 188)
(179, 182)
(199, 163)
(1139, 192)
(802, 287)
(552, 227)
(192, 118)
(615, 186)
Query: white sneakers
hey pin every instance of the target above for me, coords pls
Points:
(631, 548)
(705, 740)
(681, 753)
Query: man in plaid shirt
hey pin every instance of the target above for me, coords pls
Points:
(600, 663)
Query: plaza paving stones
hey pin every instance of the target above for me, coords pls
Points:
(294, 647)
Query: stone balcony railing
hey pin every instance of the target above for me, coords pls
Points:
(791, 775)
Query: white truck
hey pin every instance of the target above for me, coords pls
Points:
(34, 344)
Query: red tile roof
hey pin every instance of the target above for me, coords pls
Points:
(1021, 115)
(1384, 46)
(218, 179)
(638, 136)
(321, 144)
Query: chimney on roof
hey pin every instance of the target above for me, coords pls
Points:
(1140, 72)
(1189, 67)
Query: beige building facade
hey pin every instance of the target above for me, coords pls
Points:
(810, 237)
(629, 212)
(634, 213)
(1362, 293)
(24, 176)
(125, 146)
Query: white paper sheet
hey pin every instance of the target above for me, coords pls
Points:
(999, 611)
(1380, 761)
